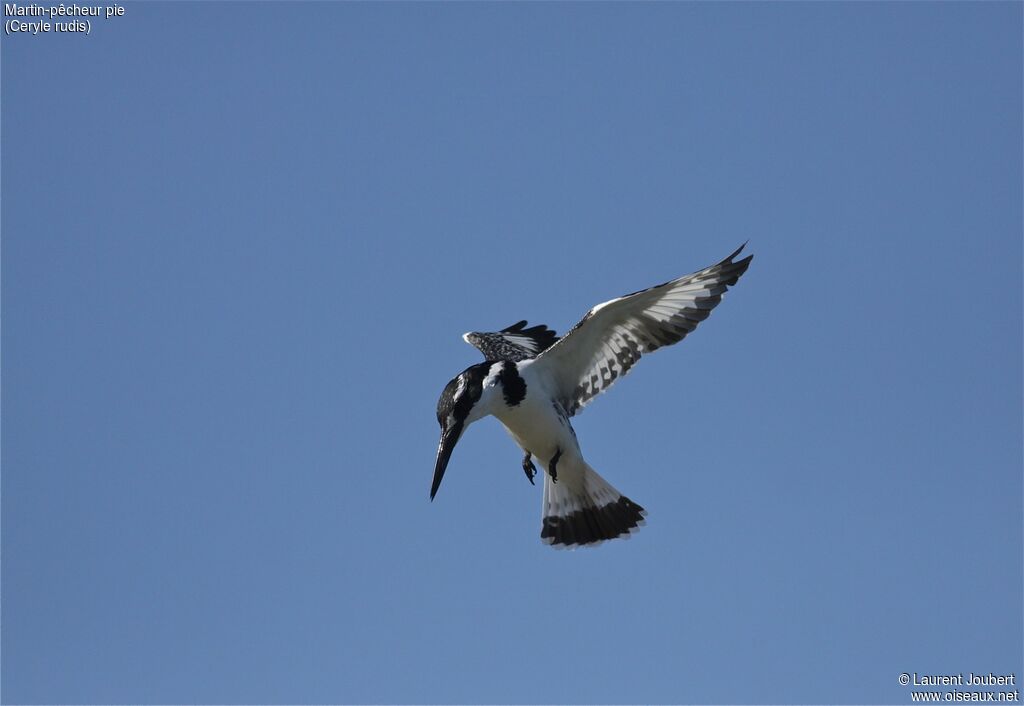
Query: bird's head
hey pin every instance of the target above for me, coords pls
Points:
(457, 409)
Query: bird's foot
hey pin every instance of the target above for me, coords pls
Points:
(529, 468)
(553, 466)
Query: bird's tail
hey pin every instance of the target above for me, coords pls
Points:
(583, 508)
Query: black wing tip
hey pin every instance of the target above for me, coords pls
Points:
(733, 270)
(520, 327)
(540, 333)
(737, 251)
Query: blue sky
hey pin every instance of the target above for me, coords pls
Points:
(241, 242)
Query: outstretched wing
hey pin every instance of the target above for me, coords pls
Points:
(514, 343)
(613, 336)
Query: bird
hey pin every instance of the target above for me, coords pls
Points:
(534, 382)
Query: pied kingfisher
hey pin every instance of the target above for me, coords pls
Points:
(533, 382)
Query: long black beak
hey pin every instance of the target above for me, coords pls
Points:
(449, 437)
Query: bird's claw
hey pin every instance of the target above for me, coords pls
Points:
(553, 466)
(529, 468)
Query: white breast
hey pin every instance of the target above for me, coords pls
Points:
(535, 423)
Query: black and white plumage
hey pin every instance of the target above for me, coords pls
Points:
(514, 343)
(534, 384)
